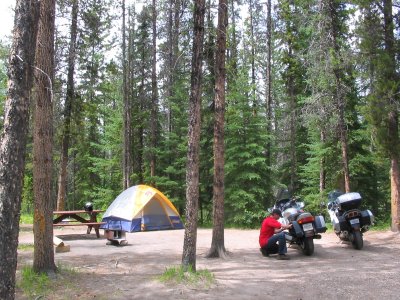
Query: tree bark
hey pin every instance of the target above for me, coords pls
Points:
(14, 137)
(66, 135)
(192, 169)
(217, 244)
(43, 260)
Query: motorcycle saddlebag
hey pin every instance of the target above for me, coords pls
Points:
(297, 229)
(367, 218)
(319, 224)
(340, 224)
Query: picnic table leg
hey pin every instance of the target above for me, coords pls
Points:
(93, 218)
(96, 228)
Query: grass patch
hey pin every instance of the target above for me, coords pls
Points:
(34, 284)
(26, 219)
(26, 247)
(381, 225)
(178, 275)
(40, 286)
(378, 226)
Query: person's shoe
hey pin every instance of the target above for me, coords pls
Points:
(264, 252)
(283, 257)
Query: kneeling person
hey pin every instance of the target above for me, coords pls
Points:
(271, 233)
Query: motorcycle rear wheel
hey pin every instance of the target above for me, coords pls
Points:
(307, 246)
(357, 241)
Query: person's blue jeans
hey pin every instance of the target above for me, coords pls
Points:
(280, 239)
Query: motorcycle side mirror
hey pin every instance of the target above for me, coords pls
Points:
(301, 204)
(269, 209)
(322, 204)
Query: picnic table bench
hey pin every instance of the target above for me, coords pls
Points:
(79, 218)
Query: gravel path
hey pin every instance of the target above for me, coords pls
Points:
(335, 271)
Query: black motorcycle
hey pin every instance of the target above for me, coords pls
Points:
(348, 220)
(305, 227)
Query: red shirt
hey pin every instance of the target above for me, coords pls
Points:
(267, 230)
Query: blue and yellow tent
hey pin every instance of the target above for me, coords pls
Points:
(141, 208)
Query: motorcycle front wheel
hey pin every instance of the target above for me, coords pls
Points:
(357, 241)
(307, 246)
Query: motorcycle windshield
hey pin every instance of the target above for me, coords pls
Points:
(332, 196)
(281, 204)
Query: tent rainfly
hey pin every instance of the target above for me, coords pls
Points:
(141, 208)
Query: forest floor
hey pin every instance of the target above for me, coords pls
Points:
(334, 271)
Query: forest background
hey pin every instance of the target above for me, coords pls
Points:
(307, 107)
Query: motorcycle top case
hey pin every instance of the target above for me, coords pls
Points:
(319, 222)
(349, 201)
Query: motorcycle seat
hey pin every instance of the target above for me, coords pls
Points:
(293, 217)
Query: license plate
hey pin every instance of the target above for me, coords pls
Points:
(308, 226)
(354, 221)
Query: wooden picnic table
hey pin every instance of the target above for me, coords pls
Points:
(79, 218)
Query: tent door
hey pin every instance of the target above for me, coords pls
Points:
(154, 216)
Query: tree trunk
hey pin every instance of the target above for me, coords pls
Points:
(268, 99)
(393, 118)
(252, 57)
(170, 73)
(127, 160)
(154, 101)
(293, 119)
(209, 52)
(339, 93)
(268, 83)
(217, 244)
(176, 30)
(192, 171)
(322, 171)
(14, 137)
(233, 48)
(131, 95)
(395, 192)
(43, 260)
(173, 36)
(141, 129)
(345, 159)
(66, 135)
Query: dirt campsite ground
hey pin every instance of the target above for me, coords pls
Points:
(335, 271)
